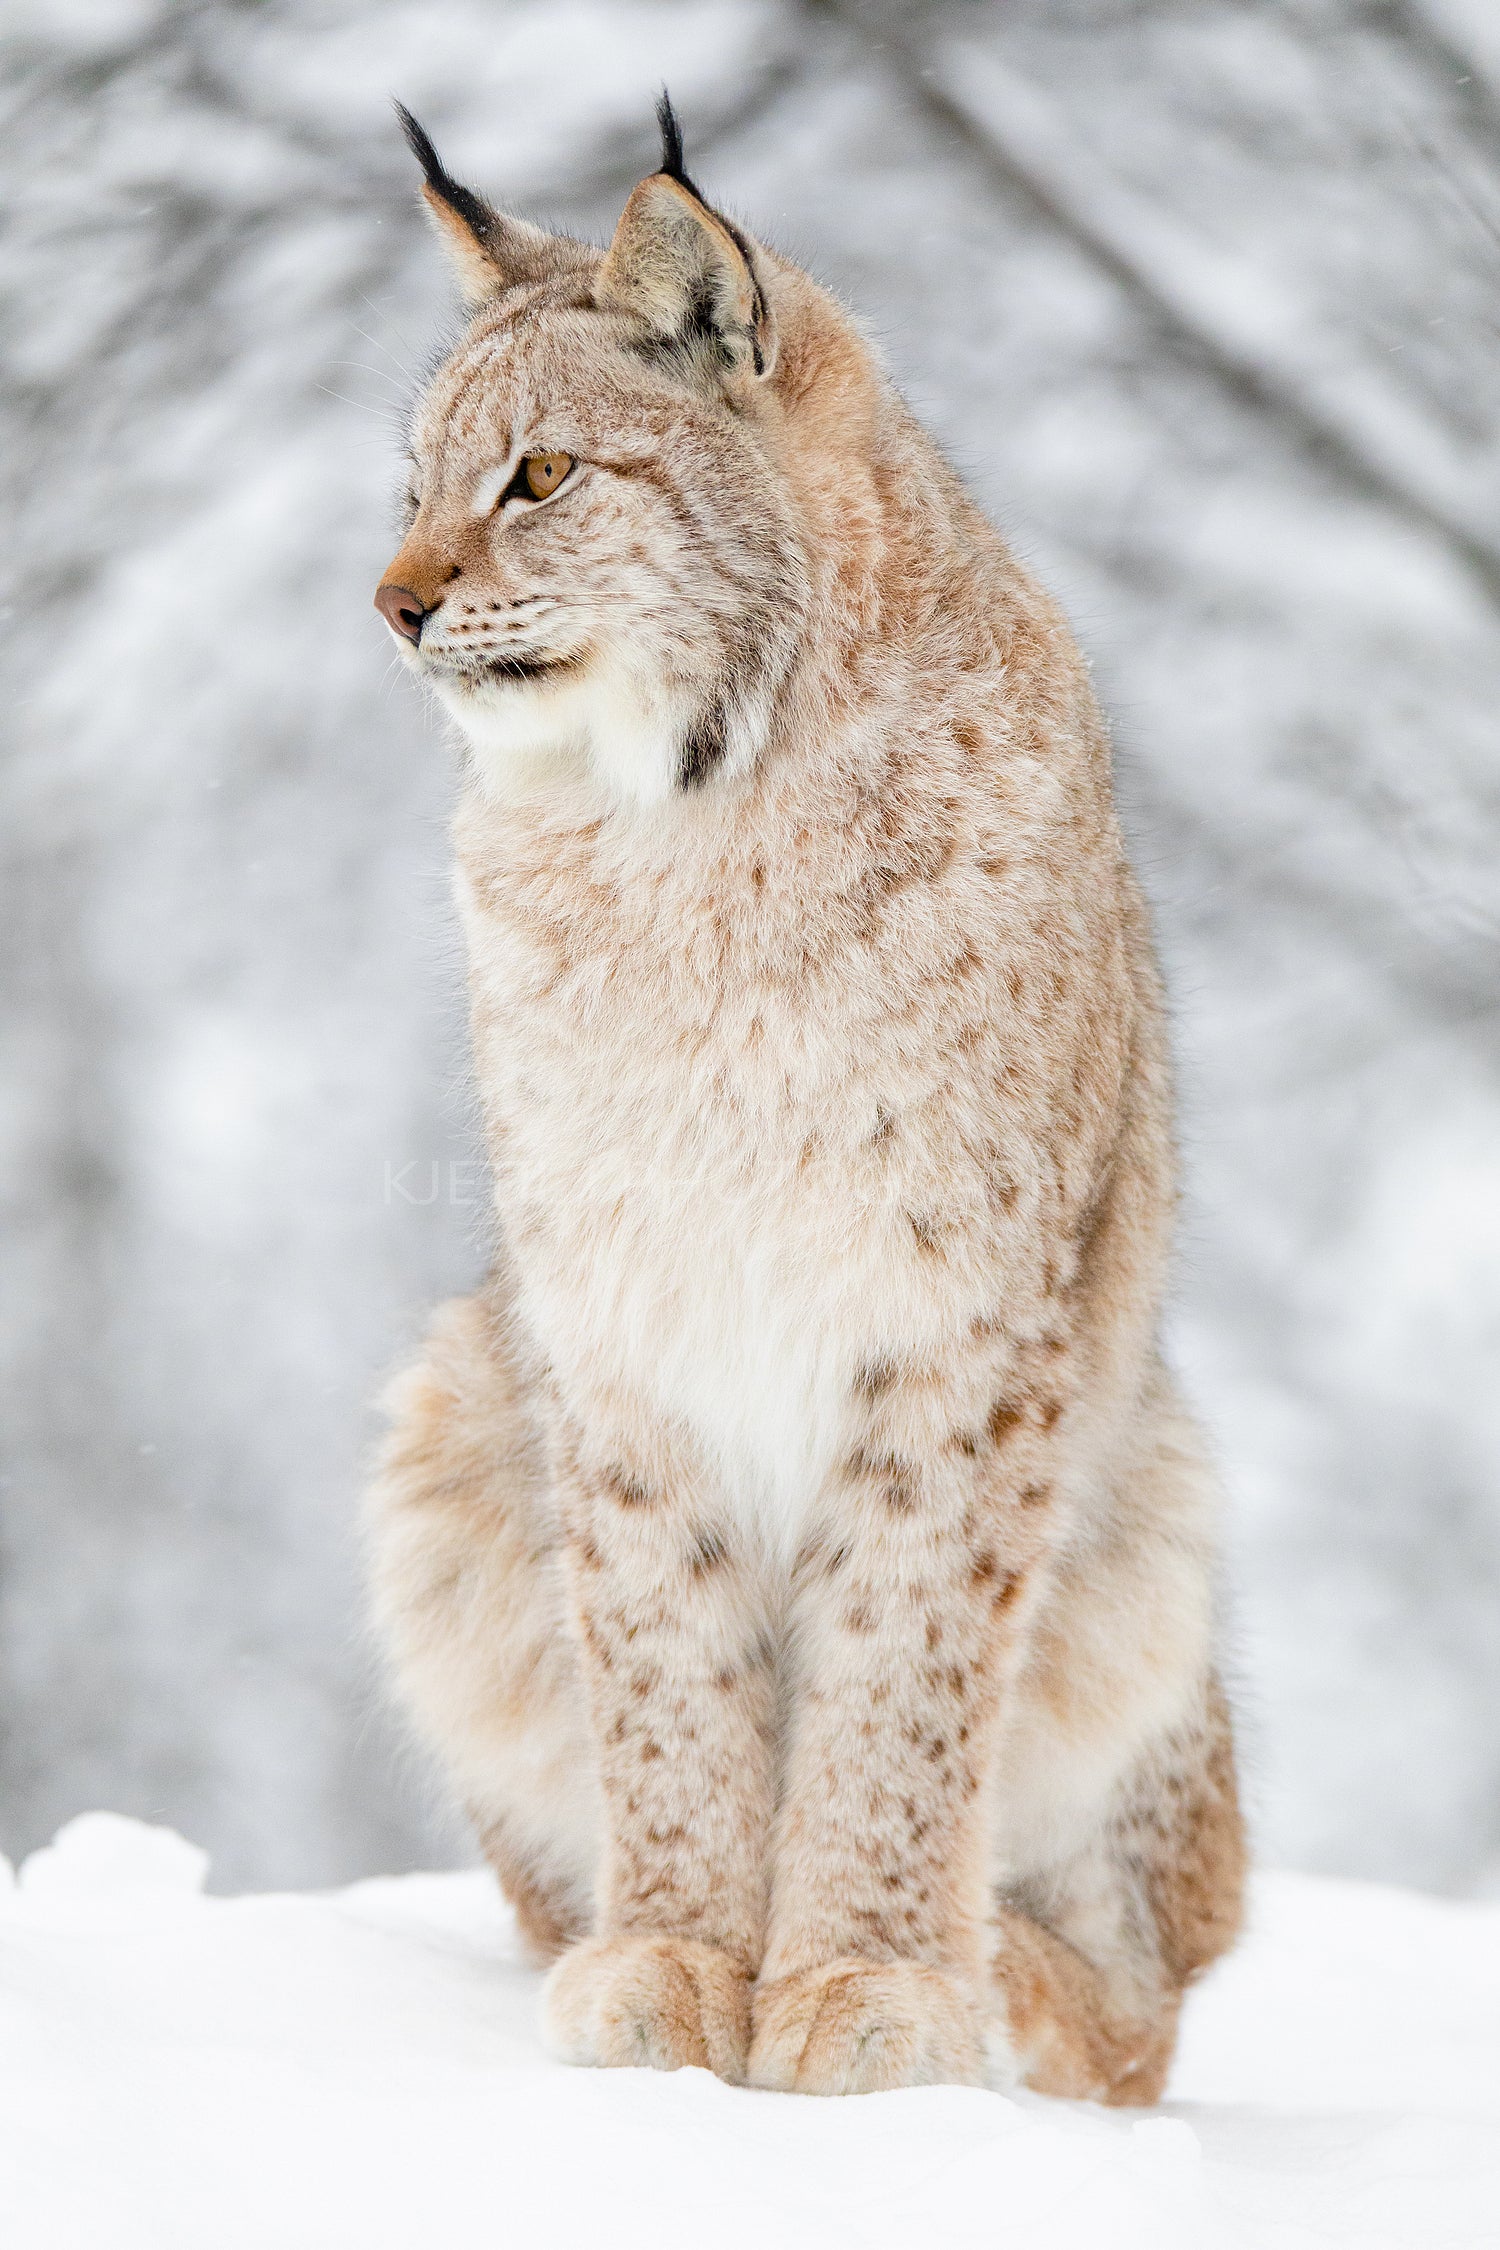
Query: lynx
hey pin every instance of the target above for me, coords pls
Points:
(798, 1551)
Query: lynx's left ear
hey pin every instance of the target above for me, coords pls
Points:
(688, 273)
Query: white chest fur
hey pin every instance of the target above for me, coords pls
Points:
(684, 1259)
(685, 1231)
(701, 1296)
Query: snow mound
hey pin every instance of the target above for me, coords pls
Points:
(104, 1855)
(361, 2069)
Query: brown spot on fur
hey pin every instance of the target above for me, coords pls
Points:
(926, 1233)
(595, 1643)
(709, 1553)
(899, 1480)
(875, 1379)
(675, 1834)
(1005, 1420)
(625, 1489)
(879, 1467)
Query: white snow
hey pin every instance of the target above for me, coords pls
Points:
(361, 2068)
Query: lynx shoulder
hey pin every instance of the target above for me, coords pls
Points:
(798, 1552)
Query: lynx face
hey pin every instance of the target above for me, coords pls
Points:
(602, 571)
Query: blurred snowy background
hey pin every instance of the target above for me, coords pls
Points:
(1204, 297)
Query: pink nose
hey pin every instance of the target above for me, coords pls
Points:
(401, 611)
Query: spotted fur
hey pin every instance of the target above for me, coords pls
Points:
(798, 1552)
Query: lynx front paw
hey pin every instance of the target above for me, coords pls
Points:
(858, 2027)
(666, 2003)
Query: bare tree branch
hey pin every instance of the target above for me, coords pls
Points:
(1232, 313)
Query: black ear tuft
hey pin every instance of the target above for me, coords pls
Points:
(476, 215)
(671, 145)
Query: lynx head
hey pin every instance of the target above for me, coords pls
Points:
(602, 563)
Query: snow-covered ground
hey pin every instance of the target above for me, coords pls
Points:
(361, 2068)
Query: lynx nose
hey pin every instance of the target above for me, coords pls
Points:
(402, 611)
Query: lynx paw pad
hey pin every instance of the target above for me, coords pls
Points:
(658, 2002)
(859, 2027)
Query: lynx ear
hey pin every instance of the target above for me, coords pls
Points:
(686, 272)
(489, 251)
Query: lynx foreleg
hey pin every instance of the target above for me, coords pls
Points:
(681, 1689)
(906, 1611)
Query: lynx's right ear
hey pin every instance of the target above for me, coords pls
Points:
(686, 272)
(489, 251)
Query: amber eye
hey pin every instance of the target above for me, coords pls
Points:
(544, 472)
